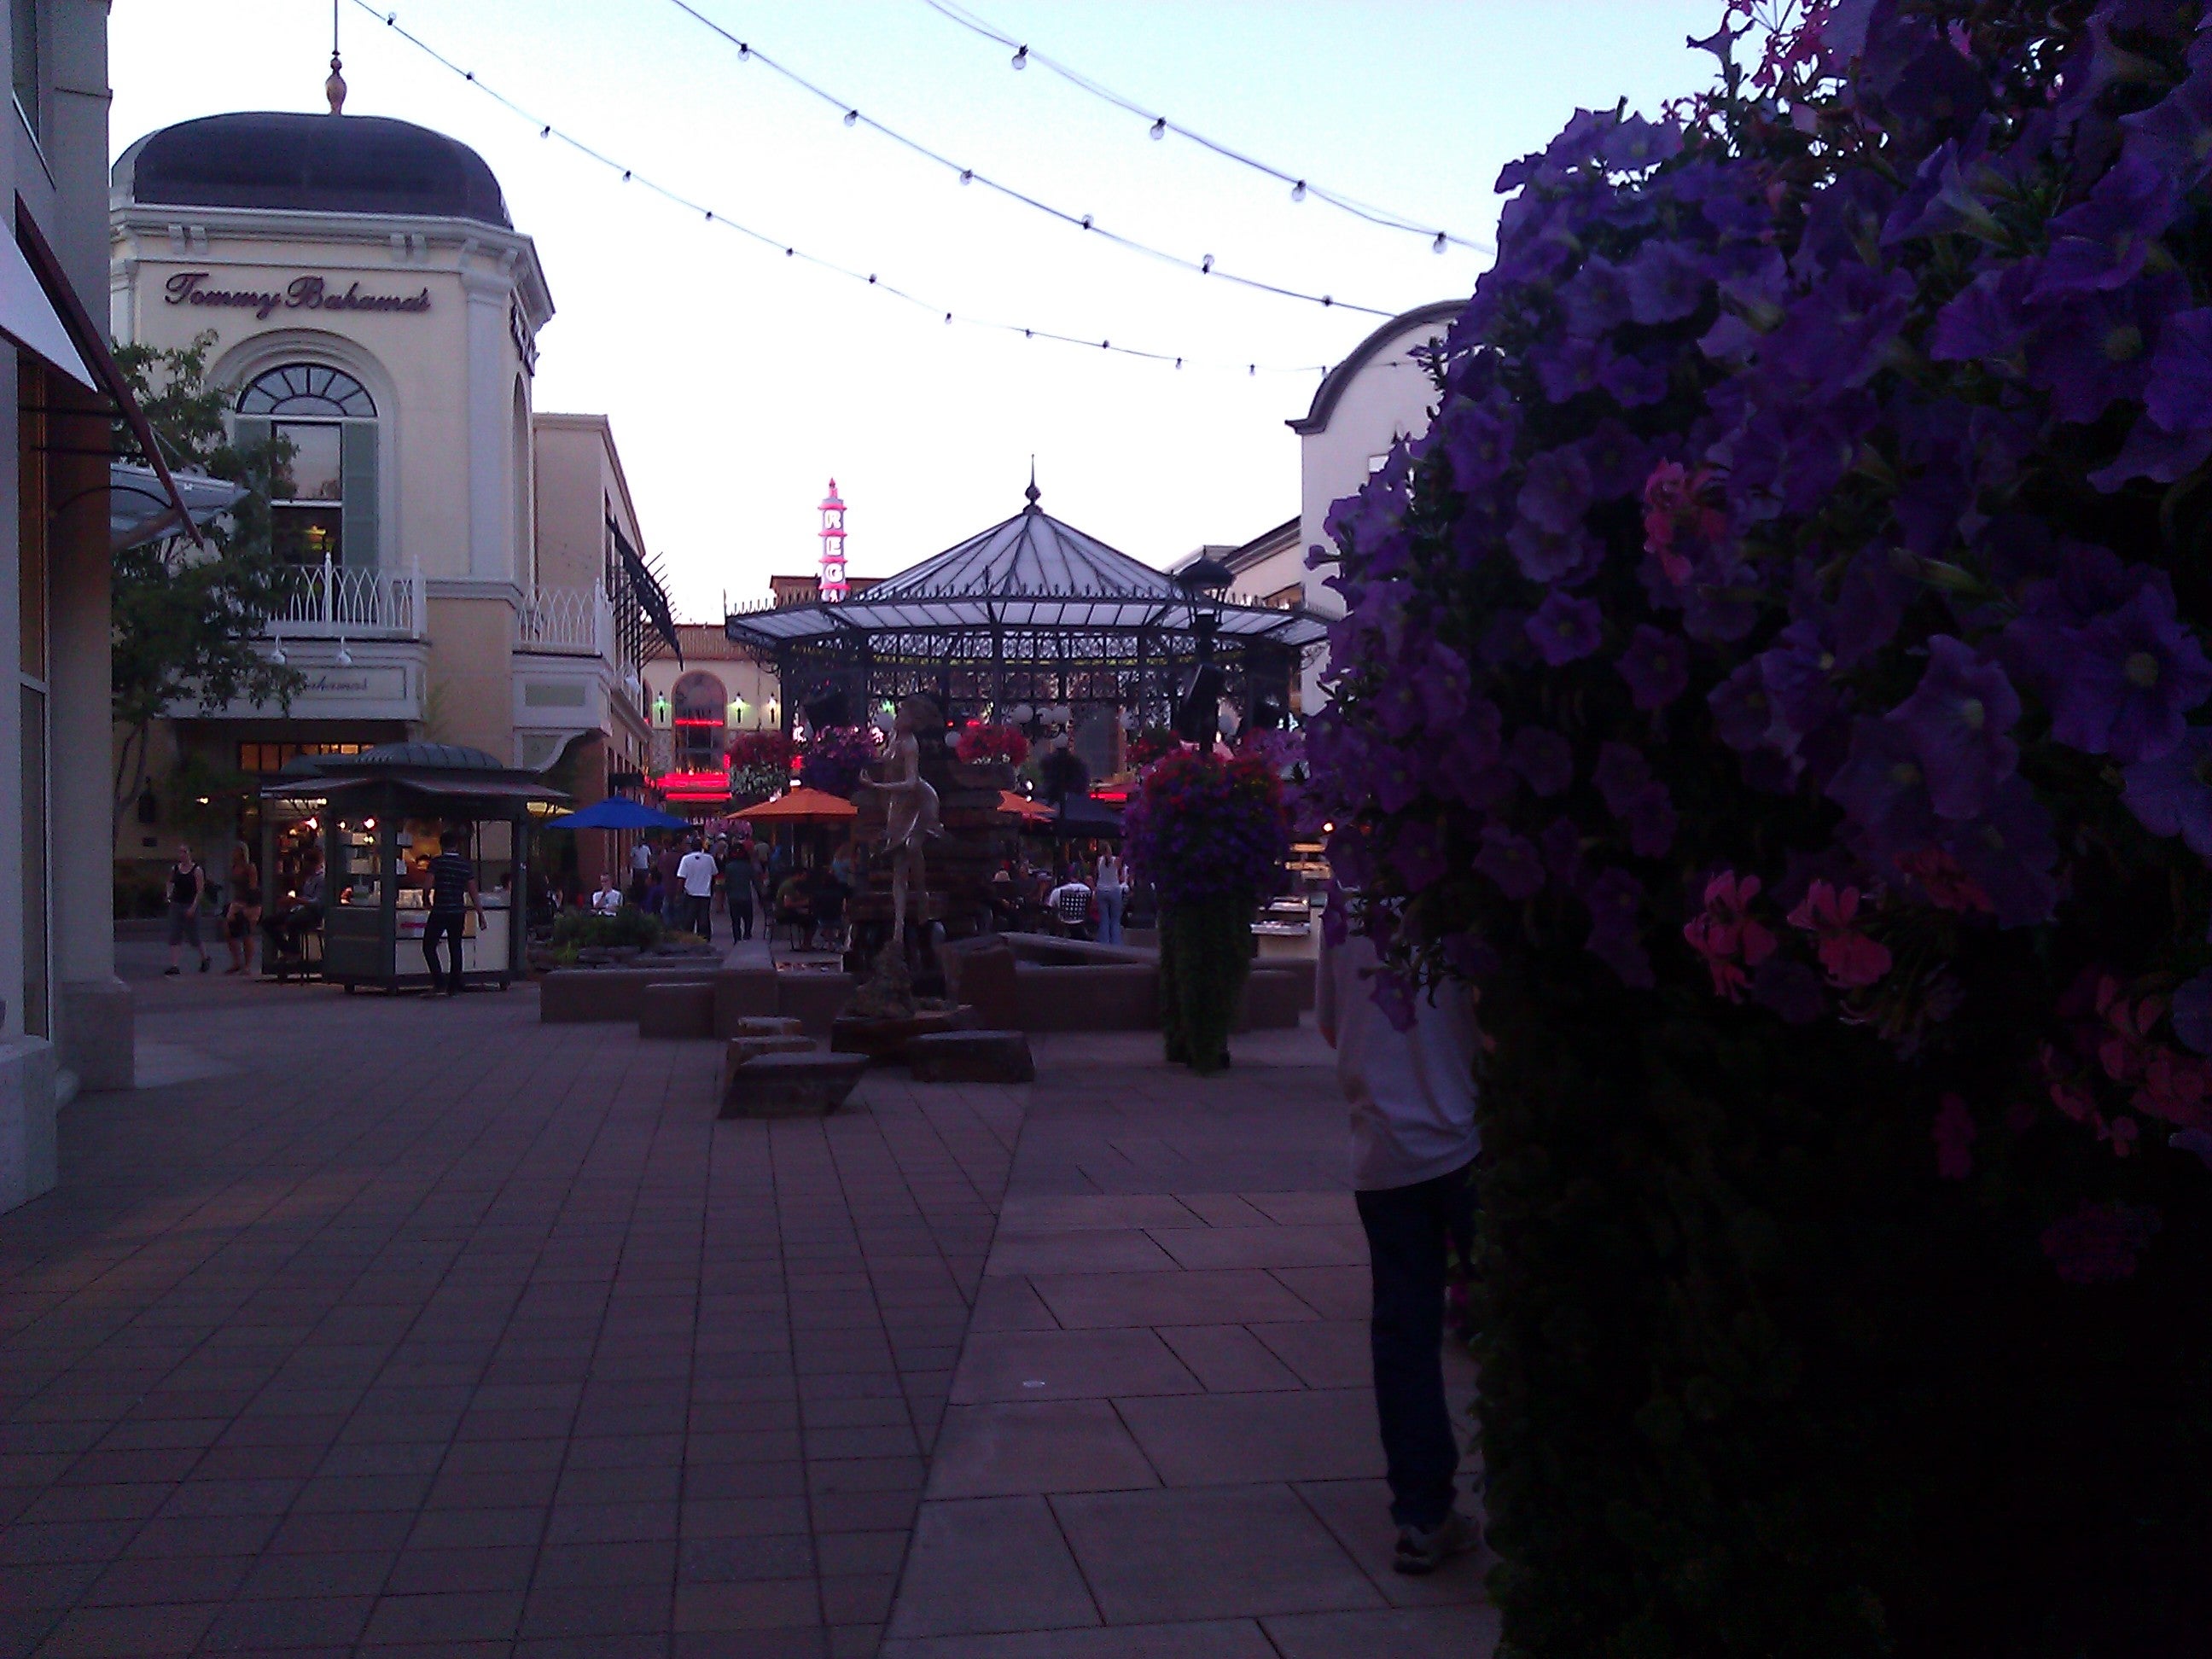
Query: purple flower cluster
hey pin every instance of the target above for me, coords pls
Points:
(1816, 487)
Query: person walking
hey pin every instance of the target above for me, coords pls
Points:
(1413, 1146)
(739, 879)
(241, 920)
(187, 886)
(453, 894)
(1112, 878)
(695, 872)
(640, 869)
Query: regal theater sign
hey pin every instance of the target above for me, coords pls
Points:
(190, 288)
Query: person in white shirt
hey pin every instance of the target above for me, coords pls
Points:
(608, 899)
(1112, 877)
(1413, 1146)
(1070, 903)
(640, 869)
(695, 873)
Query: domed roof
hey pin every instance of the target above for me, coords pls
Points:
(311, 164)
(425, 757)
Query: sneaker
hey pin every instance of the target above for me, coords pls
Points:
(1423, 1549)
(168, 973)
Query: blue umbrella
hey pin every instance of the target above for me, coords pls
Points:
(616, 813)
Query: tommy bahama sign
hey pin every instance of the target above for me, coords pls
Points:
(189, 287)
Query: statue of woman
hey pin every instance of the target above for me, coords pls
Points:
(910, 813)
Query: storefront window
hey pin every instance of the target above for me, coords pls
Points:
(260, 757)
(701, 705)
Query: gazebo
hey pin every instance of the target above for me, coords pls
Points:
(1032, 610)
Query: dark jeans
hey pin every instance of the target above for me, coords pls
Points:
(1408, 1229)
(440, 924)
(741, 914)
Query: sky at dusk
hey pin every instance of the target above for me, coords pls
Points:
(738, 381)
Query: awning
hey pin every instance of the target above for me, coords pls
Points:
(91, 343)
(140, 510)
(28, 317)
(649, 596)
(1022, 807)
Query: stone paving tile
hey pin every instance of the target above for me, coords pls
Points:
(1201, 1433)
(405, 1327)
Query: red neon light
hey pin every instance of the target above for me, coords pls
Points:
(690, 719)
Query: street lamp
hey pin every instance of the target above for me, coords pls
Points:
(1198, 708)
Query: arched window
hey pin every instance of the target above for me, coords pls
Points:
(698, 710)
(323, 505)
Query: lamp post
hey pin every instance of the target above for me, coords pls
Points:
(1197, 706)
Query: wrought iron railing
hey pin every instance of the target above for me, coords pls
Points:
(332, 601)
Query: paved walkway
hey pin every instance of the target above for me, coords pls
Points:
(403, 1327)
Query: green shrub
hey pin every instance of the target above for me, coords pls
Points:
(582, 930)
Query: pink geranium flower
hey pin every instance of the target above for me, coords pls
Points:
(1852, 960)
(1726, 935)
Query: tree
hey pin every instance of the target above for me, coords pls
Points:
(184, 616)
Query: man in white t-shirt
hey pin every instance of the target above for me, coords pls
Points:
(1413, 1146)
(695, 873)
(1070, 903)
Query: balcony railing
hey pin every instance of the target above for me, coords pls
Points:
(577, 620)
(328, 600)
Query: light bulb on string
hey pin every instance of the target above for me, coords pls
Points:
(852, 116)
(1021, 58)
(1160, 128)
(1437, 246)
(1298, 191)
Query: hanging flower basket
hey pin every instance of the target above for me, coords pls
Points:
(1209, 834)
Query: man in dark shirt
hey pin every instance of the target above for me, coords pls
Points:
(452, 893)
(739, 879)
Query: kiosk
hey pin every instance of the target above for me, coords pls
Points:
(381, 815)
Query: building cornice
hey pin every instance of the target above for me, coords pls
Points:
(410, 235)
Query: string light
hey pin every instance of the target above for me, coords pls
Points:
(1161, 126)
(391, 21)
(968, 175)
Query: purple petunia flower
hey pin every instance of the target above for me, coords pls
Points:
(1636, 143)
(1986, 318)
(2175, 134)
(1957, 721)
(1619, 772)
(1656, 666)
(2172, 795)
(2179, 394)
(1618, 460)
(2128, 680)
(1544, 759)
(1596, 299)
(1798, 672)
(1562, 843)
(1632, 382)
(1543, 555)
(1666, 281)
(1556, 492)
(1477, 441)
(1836, 335)
(1743, 713)
(2191, 1013)
(1616, 902)
(1881, 788)
(1650, 815)
(1512, 862)
(2152, 452)
(1568, 368)
(2097, 349)
(2008, 853)
(1419, 855)
(2102, 243)
(1565, 629)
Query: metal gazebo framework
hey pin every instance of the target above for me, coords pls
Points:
(1031, 610)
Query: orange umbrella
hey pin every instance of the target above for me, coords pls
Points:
(1022, 807)
(801, 806)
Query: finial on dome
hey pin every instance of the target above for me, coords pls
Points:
(335, 88)
(1032, 492)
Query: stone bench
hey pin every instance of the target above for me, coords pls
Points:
(888, 1039)
(676, 1008)
(765, 1025)
(810, 1084)
(971, 1057)
(814, 999)
(739, 1049)
(1120, 996)
(576, 996)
